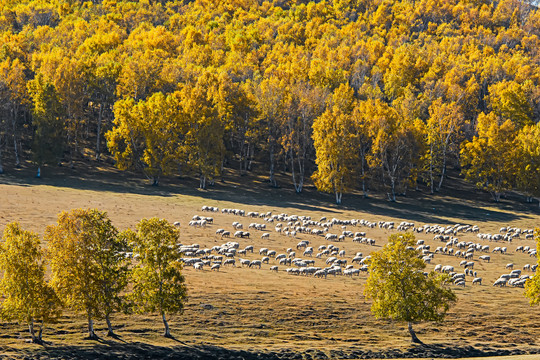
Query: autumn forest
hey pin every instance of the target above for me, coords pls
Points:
(353, 95)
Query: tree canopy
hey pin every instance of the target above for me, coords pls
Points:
(88, 263)
(399, 288)
(158, 283)
(27, 296)
(194, 87)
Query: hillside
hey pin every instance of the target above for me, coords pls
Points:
(259, 314)
(381, 96)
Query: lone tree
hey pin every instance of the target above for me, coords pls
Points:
(400, 290)
(27, 296)
(88, 264)
(532, 286)
(158, 283)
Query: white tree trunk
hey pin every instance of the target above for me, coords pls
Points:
(91, 332)
(431, 170)
(202, 182)
(110, 331)
(32, 331)
(15, 147)
(167, 332)
(1, 167)
(98, 140)
(272, 178)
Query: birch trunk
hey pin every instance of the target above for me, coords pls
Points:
(202, 182)
(32, 331)
(98, 140)
(91, 333)
(272, 178)
(110, 331)
(167, 332)
(15, 147)
(1, 167)
(414, 338)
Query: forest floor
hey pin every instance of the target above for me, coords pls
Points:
(240, 313)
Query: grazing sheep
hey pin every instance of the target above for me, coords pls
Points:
(274, 268)
(302, 244)
(244, 262)
(509, 266)
(447, 269)
(500, 282)
(265, 260)
(255, 263)
(229, 262)
(265, 236)
(215, 267)
(485, 258)
(330, 237)
(285, 261)
(477, 281)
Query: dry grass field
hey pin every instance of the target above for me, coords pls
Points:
(252, 313)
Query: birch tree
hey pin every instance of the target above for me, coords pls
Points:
(333, 137)
(88, 264)
(28, 298)
(398, 288)
(487, 159)
(158, 283)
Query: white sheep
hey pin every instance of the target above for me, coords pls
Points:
(485, 258)
(229, 262)
(255, 263)
(215, 267)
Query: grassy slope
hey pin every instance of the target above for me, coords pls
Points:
(262, 311)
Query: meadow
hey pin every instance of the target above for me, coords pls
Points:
(259, 314)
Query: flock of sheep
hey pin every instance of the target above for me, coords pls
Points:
(303, 258)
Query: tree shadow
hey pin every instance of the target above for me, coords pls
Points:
(458, 201)
(138, 350)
